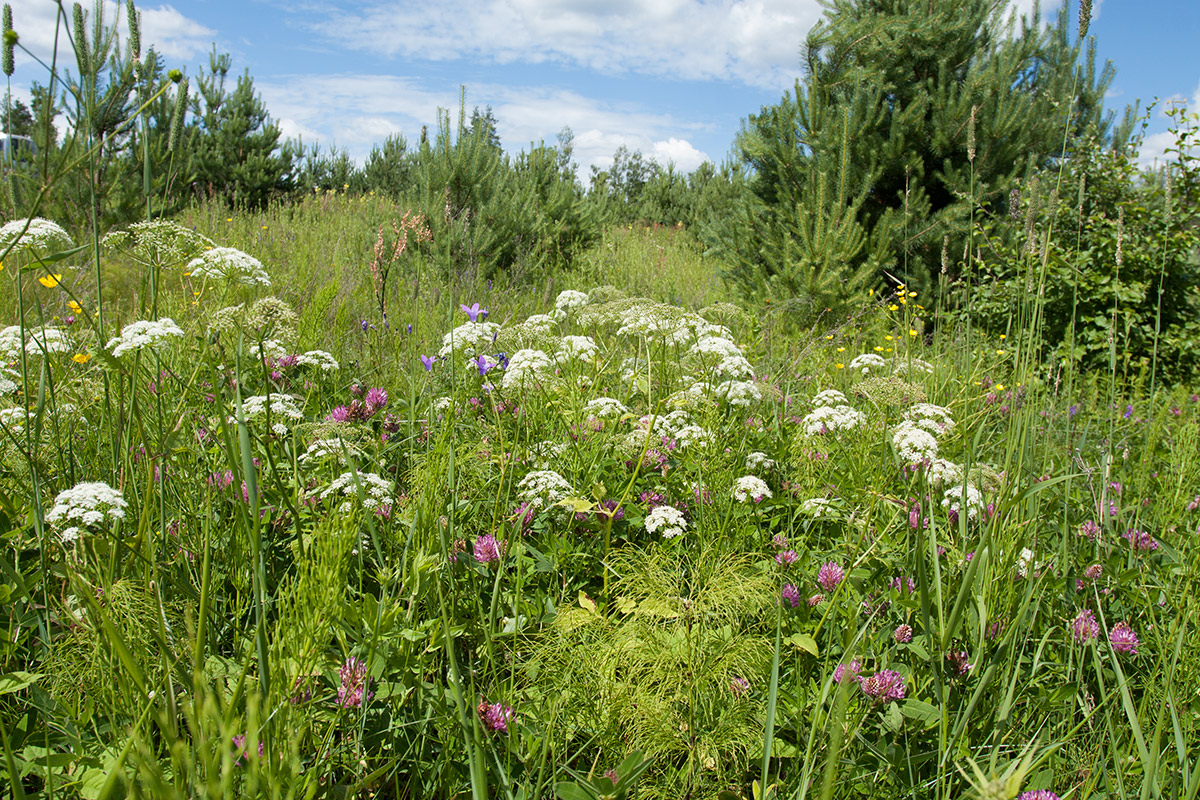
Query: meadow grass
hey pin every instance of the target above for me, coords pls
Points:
(615, 532)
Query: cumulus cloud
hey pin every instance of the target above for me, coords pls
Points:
(358, 111)
(172, 33)
(754, 42)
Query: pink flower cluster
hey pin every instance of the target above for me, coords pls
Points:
(352, 692)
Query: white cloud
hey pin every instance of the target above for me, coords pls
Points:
(678, 152)
(174, 35)
(755, 42)
(356, 112)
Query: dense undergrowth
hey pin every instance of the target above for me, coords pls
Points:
(259, 542)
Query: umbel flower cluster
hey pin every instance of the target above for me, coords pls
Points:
(86, 508)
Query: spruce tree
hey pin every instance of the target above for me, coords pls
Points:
(911, 114)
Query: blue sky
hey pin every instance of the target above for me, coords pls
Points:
(672, 78)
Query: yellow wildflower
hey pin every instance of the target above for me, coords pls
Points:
(50, 281)
(81, 358)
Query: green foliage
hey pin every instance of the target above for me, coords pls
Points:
(1113, 259)
(873, 143)
(238, 156)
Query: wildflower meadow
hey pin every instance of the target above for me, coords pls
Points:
(300, 501)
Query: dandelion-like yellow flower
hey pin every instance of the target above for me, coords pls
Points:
(912, 294)
(841, 349)
(840, 365)
(999, 387)
(887, 338)
(878, 349)
(81, 358)
(50, 281)
(912, 332)
(229, 219)
(1004, 336)
(893, 307)
(1000, 352)
(75, 307)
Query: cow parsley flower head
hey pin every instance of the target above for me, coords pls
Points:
(933, 418)
(751, 487)
(567, 301)
(8, 380)
(281, 407)
(230, 264)
(37, 340)
(832, 419)
(738, 393)
(43, 235)
(957, 497)
(605, 408)
(526, 369)
(914, 444)
(85, 508)
(911, 366)
(666, 519)
(829, 397)
(543, 488)
(376, 491)
(583, 348)
(161, 241)
(329, 450)
(867, 362)
(152, 334)
(942, 472)
(759, 461)
(469, 339)
(318, 360)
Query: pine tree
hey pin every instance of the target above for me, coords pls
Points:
(872, 148)
(238, 155)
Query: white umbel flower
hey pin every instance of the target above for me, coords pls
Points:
(738, 393)
(526, 369)
(914, 443)
(376, 490)
(751, 487)
(942, 471)
(282, 410)
(567, 301)
(829, 397)
(759, 461)
(543, 488)
(933, 418)
(832, 419)
(581, 347)
(666, 519)
(152, 334)
(43, 235)
(329, 449)
(867, 362)
(317, 359)
(605, 408)
(230, 264)
(469, 339)
(36, 341)
(956, 496)
(84, 508)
